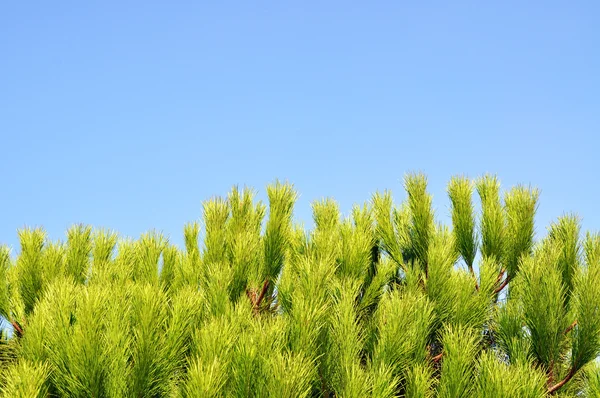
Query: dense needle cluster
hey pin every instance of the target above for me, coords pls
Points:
(384, 303)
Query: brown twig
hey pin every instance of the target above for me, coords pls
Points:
(503, 285)
(473, 275)
(550, 374)
(262, 292)
(251, 293)
(500, 275)
(434, 358)
(571, 326)
(257, 299)
(18, 329)
(561, 383)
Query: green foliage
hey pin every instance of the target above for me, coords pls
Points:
(565, 234)
(586, 333)
(544, 304)
(216, 215)
(148, 252)
(421, 219)
(521, 205)
(460, 191)
(391, 231)
(170, 257)
(26, 380)
(376, 304)
(103, 247)
(497, 379)
(458, 366)
(492, 218)
(290, 375)
(278, 228)
(420, 381)
(404, 323)
(5, 264)
(79, 247)
(29, 266)
(591, 248)
(593, 381)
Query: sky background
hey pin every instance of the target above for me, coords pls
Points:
(127, 115)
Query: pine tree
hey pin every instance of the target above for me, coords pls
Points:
(384, 303)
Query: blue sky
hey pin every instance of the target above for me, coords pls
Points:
(127, 115)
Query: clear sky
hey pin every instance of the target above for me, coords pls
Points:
(127, 115)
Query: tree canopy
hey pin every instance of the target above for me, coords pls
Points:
(386, 302)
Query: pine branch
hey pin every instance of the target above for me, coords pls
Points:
(435, 358)
(571, 326)
(262, 294)
(256, 299)
(438, 357)
(18, 329)
(500, 275)
(473, 275)
(561, 383)
(503, 285)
